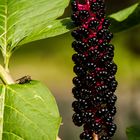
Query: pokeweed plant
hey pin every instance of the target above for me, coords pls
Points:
(28, 110)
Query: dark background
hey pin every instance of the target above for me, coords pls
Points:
(50, 61)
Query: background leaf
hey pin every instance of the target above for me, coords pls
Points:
(20, 19)
(126, 18)
(133, 133)
(30, 112)
(124, 14)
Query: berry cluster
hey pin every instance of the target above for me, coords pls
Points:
(95, 82)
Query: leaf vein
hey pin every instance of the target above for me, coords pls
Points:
(29, 120)
(6, 132)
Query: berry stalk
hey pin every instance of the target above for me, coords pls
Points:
(95, 136)
(95, 71)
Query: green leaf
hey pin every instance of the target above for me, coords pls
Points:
(126, 18)
(51, 29)
(20, 19)
(133, 133)
(29, 112)
(123, 14)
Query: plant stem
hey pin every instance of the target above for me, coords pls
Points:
(95, 136)
(5, 76)
(2, 100)
(6, 62)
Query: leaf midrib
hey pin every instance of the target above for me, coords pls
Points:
(5, 28)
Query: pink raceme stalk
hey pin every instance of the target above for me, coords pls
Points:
(95, 82)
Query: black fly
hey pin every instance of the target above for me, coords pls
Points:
(23, 80)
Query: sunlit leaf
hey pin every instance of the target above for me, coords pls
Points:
(30, 113)
(20, 19)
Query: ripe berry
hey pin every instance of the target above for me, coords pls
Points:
(86, 136)
(106, 23)
(75, 19)
(77, 119)
(79, 70)
(77, 81)
(88, 117)
(112, 100)
(108, 118)
(74, 6)
(94, 6)
(79, 46)
(76, 92)
(93, 41)
(83, 14)
(93, 24)
(100, 15)
(102, 112)
(112, 111)
(96, 127)
(111, 129)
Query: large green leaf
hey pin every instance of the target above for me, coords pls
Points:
(20, 19)
(28, 112)
(133, 133)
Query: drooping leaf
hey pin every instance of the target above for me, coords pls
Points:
(20, 19)
(133, 133)
(30, 112)
(126, 18)
(124, 14)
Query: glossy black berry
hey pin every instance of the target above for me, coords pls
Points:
(76, 92)
(106, 23)
(77, 81)
(75, 19)
(77, 119)
(93, 24)
(86, 136)
(93, 41)
(100, 15)
(111, 129)
(96, 127)
(83, 14)
(79, 46)
(112, 111)
(79, 70)
(88, 117)
(74, 6)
